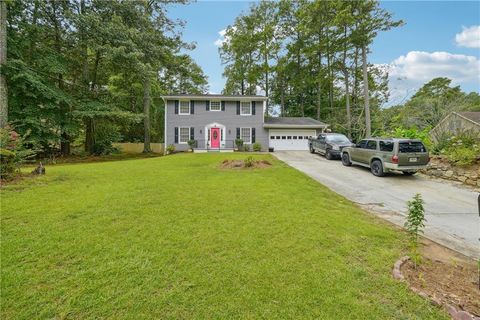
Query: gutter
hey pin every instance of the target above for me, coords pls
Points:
(239, 98)
(295, 126)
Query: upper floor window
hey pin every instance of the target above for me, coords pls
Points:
(215, 106)
(184, 107)
(245, 108)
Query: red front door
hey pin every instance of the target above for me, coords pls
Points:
(215, 137)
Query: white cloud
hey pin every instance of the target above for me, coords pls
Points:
(219, 42)
(409, 72)
(469, 37)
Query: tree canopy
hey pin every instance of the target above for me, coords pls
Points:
(81, 72)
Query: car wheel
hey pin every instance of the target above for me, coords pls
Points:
(328, 155)
(346, 160)
(409, 173)
(311, 149)
(377, 168)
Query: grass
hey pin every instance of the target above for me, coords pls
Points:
(175, 237)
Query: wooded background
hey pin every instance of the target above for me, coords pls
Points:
(86, 73)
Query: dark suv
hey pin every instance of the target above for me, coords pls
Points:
(329, 144)
(384, 154)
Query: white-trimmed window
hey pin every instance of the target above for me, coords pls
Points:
(215, 106)
(245, 108)
(183, 135)
(246, 135)
(184, 107)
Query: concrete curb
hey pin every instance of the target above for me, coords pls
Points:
(452, 311)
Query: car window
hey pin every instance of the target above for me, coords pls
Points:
(321, 138)
(386, 146)
(372, 145)
(411, 146)
(337, 138)
(362, 144)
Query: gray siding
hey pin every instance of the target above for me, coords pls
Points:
(201, 118)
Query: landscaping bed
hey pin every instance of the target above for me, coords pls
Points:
(246, 163)
(446, 277)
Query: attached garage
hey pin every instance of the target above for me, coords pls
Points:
(292, 133)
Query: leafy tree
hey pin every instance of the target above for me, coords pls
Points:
(414, 225)
(77, 67)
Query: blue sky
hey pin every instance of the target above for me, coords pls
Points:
(423, 48)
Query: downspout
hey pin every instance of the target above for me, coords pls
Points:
(165, 127)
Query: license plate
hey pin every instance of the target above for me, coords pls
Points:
(412, 159)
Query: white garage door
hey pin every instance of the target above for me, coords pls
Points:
(290, 139)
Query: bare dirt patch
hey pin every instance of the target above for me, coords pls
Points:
(446, 276)
(242, 164)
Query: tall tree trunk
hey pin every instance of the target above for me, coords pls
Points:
(366, 96)
(347, 103)
(319, 86)
(329, 73)
(3, 61)
(64, 136)
(146, 114)
(33, 34)
(347, 89)
(89, 122)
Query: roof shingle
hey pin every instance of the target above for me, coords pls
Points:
(474, 116)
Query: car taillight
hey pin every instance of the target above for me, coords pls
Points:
(394, 159)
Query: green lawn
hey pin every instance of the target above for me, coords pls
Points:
(176, 237)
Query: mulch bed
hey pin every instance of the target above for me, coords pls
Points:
(240, 164)
(446, 277)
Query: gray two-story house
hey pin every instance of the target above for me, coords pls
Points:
(214, 122)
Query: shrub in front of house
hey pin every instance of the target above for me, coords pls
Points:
(191, 143)
(257, 147)
(170, 149)
(239, 143)
(246, 148)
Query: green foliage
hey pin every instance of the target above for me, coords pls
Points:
(462, 149)
(12, 153)
(414, 225)
(191, 143)
(74, 64)
(170, 149)
(246, 148)
(7, 164)
(257, 147)
(411, 133)
(430, 104)
(239, 143)
(464, 156)
(301, 54)
(248, 162)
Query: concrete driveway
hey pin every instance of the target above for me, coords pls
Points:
(451, 210)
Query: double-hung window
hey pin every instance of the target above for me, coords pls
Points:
(246, 135)
(183, 135)
(184, 107)
(215, 106)
(245, 108)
